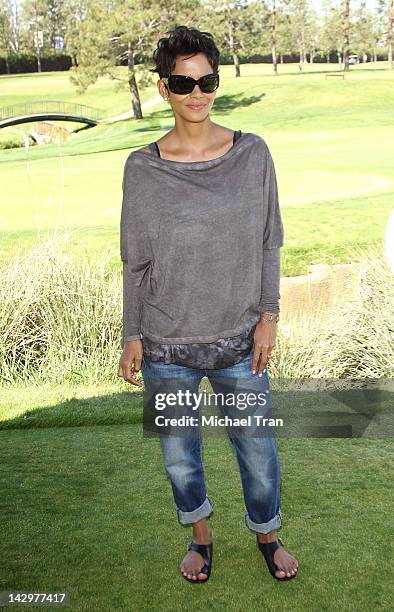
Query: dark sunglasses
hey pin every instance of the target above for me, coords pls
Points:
(181, 84)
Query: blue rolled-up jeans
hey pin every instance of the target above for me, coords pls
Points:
(257, 455)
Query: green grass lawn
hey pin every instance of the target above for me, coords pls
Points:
(88, 509)
(86, 506)
(91, 513)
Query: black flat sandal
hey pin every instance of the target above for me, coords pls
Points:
(268, 549)
(205, 550)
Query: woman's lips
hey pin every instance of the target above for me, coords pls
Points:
(196, 106)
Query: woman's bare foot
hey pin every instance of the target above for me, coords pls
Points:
(193, 562)
(287, 563)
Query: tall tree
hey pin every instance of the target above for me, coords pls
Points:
(75, 12)
(303, 28)
(273, 23)
(34, 17)
(345, 26)
(363, 41)
(387, 6)
(123, 30)
(277, 15)
(55, 20)
(390, 20)
(231, 22)
(299, 11)
(330, 32)
(7, 43)
(379, 29)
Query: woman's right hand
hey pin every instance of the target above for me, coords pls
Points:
(130, 361)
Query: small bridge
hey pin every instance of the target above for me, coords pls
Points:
(50, 109)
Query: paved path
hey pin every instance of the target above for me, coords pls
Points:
(129, 114)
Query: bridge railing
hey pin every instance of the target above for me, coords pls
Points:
(52, 106)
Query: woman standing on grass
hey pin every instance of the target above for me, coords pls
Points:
(201, 233)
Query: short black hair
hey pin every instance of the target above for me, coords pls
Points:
(183, 41)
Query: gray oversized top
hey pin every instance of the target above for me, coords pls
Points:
(200, 244)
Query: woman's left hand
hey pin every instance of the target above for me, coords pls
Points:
(264, 341)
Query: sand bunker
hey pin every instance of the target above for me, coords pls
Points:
(323, 288)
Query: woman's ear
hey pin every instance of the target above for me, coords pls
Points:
(163, 90)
